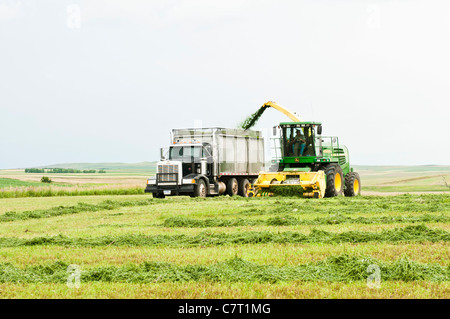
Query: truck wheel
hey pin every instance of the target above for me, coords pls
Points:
(352, 184)
(232, 187)
(156, 195)
(335, 180)
(200, 189)
(244, 186)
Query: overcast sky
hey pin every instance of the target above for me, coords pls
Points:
(106, 81)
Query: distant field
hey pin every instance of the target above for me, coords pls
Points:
(404, 178)
(10, 182)
(127, 181)
(374, 179)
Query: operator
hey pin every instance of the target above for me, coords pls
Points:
(299, 143)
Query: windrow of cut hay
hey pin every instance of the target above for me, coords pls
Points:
(342, 268)
(289, 220)
(419, 233)
(69, 210)
(428, 203)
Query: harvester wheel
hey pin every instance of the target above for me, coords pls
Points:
(200, 189)
(232, 187)
(335, 180)
(244, 186)
(352, 184)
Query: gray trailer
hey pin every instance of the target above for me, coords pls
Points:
(208, 161)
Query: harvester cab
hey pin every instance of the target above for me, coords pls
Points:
(308, 164)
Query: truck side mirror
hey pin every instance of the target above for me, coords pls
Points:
(162, 154)
(319, 130)
(274, 130)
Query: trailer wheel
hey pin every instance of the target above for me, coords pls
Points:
(352, 184)
(244, 186)
(335, 180)
(200, 189)
(232, 187)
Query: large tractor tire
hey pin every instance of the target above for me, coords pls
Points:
(200, 189)
(352, 184)
(335, 180)
(244, 186)
(232, 187)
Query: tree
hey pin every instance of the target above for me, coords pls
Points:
(45, 179)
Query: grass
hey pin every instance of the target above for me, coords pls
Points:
(8, 183)
(271, 253)
(38, 203)
(419, 233)
(136, 246)
(289, 220)
(68, 210)
(404, 178)
(375, 179)
(240, 290)
(408, 188)
(342, 268)
(50, 191)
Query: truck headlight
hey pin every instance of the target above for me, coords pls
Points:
(151, 181)
(188, 181)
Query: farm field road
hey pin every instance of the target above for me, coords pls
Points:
(134, 246)
(375, 193)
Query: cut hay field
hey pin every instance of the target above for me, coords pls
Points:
(128, 245)
(130, 179)
(140, 247)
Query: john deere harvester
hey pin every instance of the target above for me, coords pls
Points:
(310, 164)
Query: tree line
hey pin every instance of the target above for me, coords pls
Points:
(62, 171)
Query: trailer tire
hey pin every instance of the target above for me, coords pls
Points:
(200, 189)
(352, 184)
(335, 180)
(232, 187)
(244, 186)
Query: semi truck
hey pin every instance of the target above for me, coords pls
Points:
(212, 161)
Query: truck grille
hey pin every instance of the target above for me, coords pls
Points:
(167, 174)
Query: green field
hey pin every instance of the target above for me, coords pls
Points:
(130, 179)
(15, 183)
(140, 247)
(129, 245)
(431, 178)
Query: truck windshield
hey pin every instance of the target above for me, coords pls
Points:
(186, 153)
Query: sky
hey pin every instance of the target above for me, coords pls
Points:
(106, 81)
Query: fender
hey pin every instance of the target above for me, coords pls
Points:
(197, 177)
